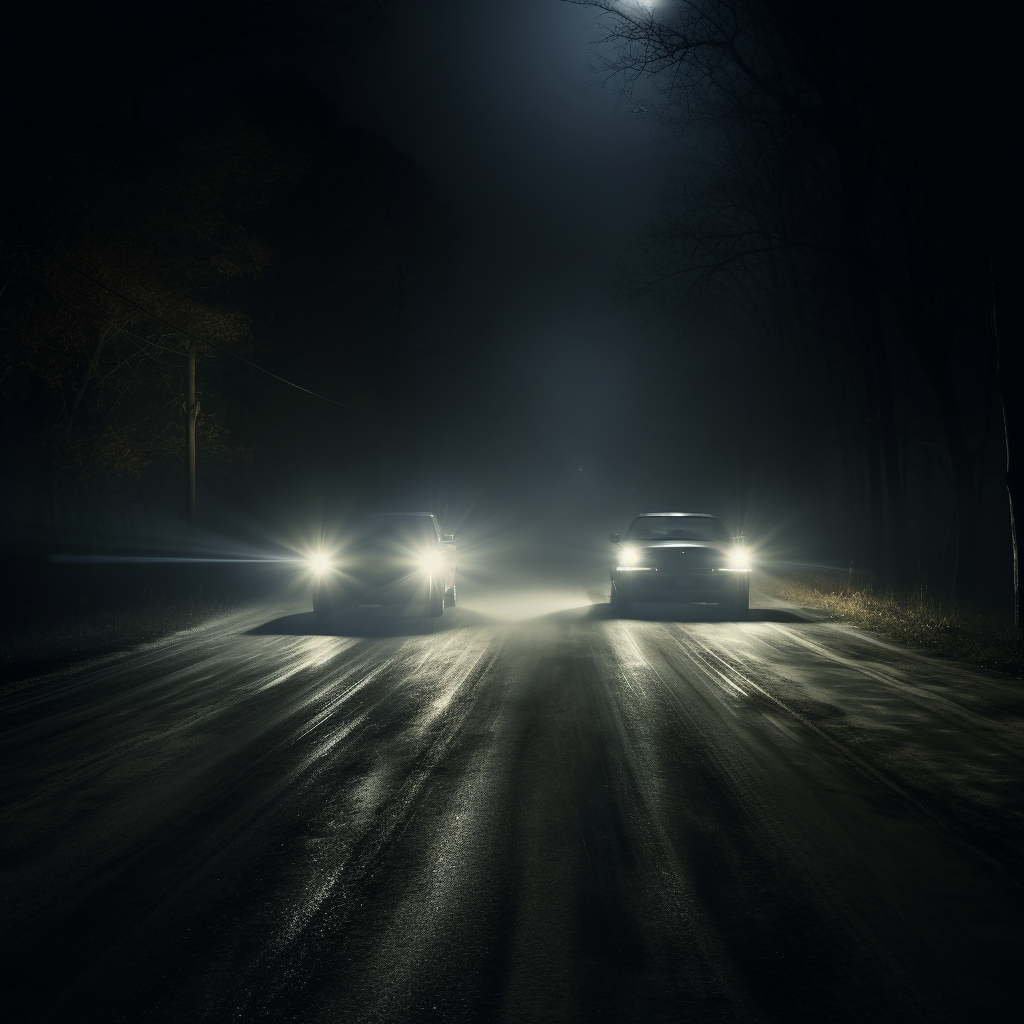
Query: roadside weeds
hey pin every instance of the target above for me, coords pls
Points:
(918, 618)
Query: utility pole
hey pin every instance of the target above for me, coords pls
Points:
(191, 415)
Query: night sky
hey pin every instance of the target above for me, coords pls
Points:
(551, 174)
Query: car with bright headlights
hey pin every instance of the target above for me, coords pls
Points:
(680, 557)
(387, 560)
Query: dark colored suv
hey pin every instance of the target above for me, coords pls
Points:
(384, 560)
(680, 556)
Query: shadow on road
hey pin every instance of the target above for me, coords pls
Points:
(775, 615)
(374, 623)
(368, 623)
(696, 613)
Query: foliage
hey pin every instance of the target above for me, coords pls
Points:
(109, 247)
(260, 223)
(918, 617)
(826, 216)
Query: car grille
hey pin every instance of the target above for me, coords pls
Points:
(684, 559)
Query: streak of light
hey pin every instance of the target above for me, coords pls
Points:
(318, 651)
(161, 558)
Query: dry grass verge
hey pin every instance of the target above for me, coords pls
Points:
(919, 618)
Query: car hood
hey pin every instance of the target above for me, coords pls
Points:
(669, 545)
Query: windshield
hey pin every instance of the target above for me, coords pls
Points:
(386, 531)
(678, 528)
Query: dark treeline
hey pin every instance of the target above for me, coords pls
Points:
(831, 285)
(174, 185)
(843, 234)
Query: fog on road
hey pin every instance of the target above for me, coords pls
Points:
(524, 811)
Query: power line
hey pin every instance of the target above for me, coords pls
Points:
(206, 341)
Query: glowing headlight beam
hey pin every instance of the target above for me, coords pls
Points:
(127, 559)
(739, 560)
(319, 564)
(629, 554)
(431, 564)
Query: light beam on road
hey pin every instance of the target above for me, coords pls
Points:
(521, 605)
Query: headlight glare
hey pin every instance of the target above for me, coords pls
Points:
(432, 563)
(629, 554)
(739, 560)
(319, 564)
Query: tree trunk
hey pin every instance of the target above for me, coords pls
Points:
(867, 331)
(876, 505)
(868, 326)
(889, 449)
(936, 365)
(90, 372)
(191, 415)
(1014, 497)
(131, 136)
(1008, 379)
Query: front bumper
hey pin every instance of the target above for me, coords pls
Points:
(709, 585)
(379, 590)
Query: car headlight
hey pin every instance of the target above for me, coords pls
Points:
(318, 564)
(629, 554)
(739, 560)
(431, 564)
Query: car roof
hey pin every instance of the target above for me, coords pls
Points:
(705, 515)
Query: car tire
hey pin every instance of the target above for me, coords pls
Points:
(449, 597)
(739, 606)
(619, 605)
(435, 601)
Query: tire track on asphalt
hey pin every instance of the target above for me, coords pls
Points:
(785, 822)
(173, 695)
(679, 934)
(134, 749)
(182, 853)
(426, 931)
(914, 800)
(988, 729)
(566, 820)
(196, 852)
(725, 675)
(331, 906)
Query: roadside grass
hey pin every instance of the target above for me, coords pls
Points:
(75, 635)
(919, 618)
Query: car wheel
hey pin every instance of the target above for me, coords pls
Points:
(449, 597)
(435, 601)
(739, 606)
(620, 606)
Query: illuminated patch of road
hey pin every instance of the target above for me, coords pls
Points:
(523, 605)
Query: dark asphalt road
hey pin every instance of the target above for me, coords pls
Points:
(499, 817)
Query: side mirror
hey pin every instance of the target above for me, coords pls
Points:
(447, 538)
(614, 538)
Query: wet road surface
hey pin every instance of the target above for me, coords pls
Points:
(524, 811)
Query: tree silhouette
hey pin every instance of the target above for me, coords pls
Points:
(827, 137)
